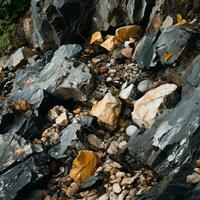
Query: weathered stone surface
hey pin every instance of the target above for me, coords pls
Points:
(106, 14)
(62, 78)
(59, 22)
(145, 85)
(16, 178)
(20, 57)
(174, 139)
(69, 51)
(147, 108)
(67, 135)
(107, 111)
(13, 149)
(165, 48)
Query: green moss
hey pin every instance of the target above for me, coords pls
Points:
(10, 12)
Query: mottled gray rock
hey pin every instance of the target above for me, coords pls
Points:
(62, 78)
(16, 178)
(112, 13)
(174, 139)
(193, 72)
(92, 182)
(13, 149)
(59, 22)
(67, 135)
(154, 48)
(69, 51)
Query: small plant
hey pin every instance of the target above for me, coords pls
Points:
(10, 12)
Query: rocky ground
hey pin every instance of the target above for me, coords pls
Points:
(116, 117)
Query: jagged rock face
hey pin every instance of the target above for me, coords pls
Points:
(164, 48)
(14, 179)
(112, 13)
(61, 77)
(174, 138)
(60, 21)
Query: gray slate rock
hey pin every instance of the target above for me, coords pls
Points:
(16, 178)
(153, 47)
(62, 78)
(107, 13)
(173, 140)
(67, 135)
(13, 149)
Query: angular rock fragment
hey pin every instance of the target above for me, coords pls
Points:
(128, 94)
(152, 103)
(62, 78)
(110, 43)
(84, 165)
(174, 139)
(20, 57)
(68, 51)
(16, 178)
(107, 111)
(67, 135)
(96, 38)
(13, 149)
(165, 48)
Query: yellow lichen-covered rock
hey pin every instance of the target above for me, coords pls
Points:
(126, 32)
(84, 165)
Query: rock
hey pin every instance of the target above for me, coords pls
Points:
(128, 181)
(128, 94)
(104, 197)
(69, 51)
(145, 85)
(14, 149)
(17, 177)
(107, 111)
(55, 112)
(193, 178)
(123, 195)
(71, 191)
(110, 43)
(59, 22)
(149, 106)
(132, 130)
(67, 135)
(127, 52)
(96, 38)
(94, 140)
(193, 72)
(164, 48)
(30, 83)
(116, 188)
(124, 33)
(21, 56)
(168, 22)
(84, 166)
(62, 120)
(131, 11)
(173, 135)
(91, 182)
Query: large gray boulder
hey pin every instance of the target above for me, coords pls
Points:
(62, 78)
(164, 48)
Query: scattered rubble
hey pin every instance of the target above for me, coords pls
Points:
(115, 117)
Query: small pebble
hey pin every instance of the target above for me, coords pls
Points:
(132, 130)
(116, 188)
